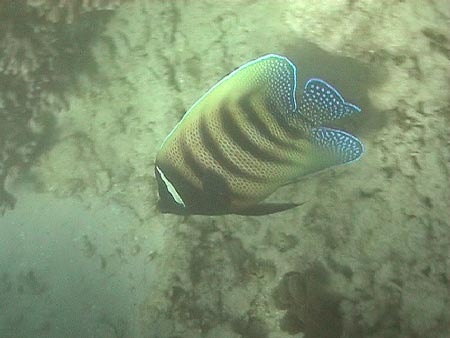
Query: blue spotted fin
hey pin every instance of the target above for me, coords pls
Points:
(321, 103)
(326, 147)
(335, 147)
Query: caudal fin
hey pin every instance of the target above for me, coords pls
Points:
(321, 102)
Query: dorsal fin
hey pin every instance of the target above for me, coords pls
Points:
(278, 79)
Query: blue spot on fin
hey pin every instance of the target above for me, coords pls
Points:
(321, 103)
(336, 146)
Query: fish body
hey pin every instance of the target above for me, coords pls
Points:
(246, 137)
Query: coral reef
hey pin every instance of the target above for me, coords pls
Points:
(207, 301)
(312, 307)
(380, 227)
(41, 44)
(69, 10)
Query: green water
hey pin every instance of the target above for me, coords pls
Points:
(87, 95)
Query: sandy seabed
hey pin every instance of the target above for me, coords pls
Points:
(85, 253)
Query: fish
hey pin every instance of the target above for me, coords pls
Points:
(247, 136)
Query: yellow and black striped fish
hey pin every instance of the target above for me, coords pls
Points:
(246, 137)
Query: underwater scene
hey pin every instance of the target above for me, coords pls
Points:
(224, 169)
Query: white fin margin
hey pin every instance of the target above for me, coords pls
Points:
(172, 191)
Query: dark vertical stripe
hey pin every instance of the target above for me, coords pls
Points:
(211, 141)
(199, 170)
(255, 116)
(287, 122)
(192, 163)
(231, 126)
